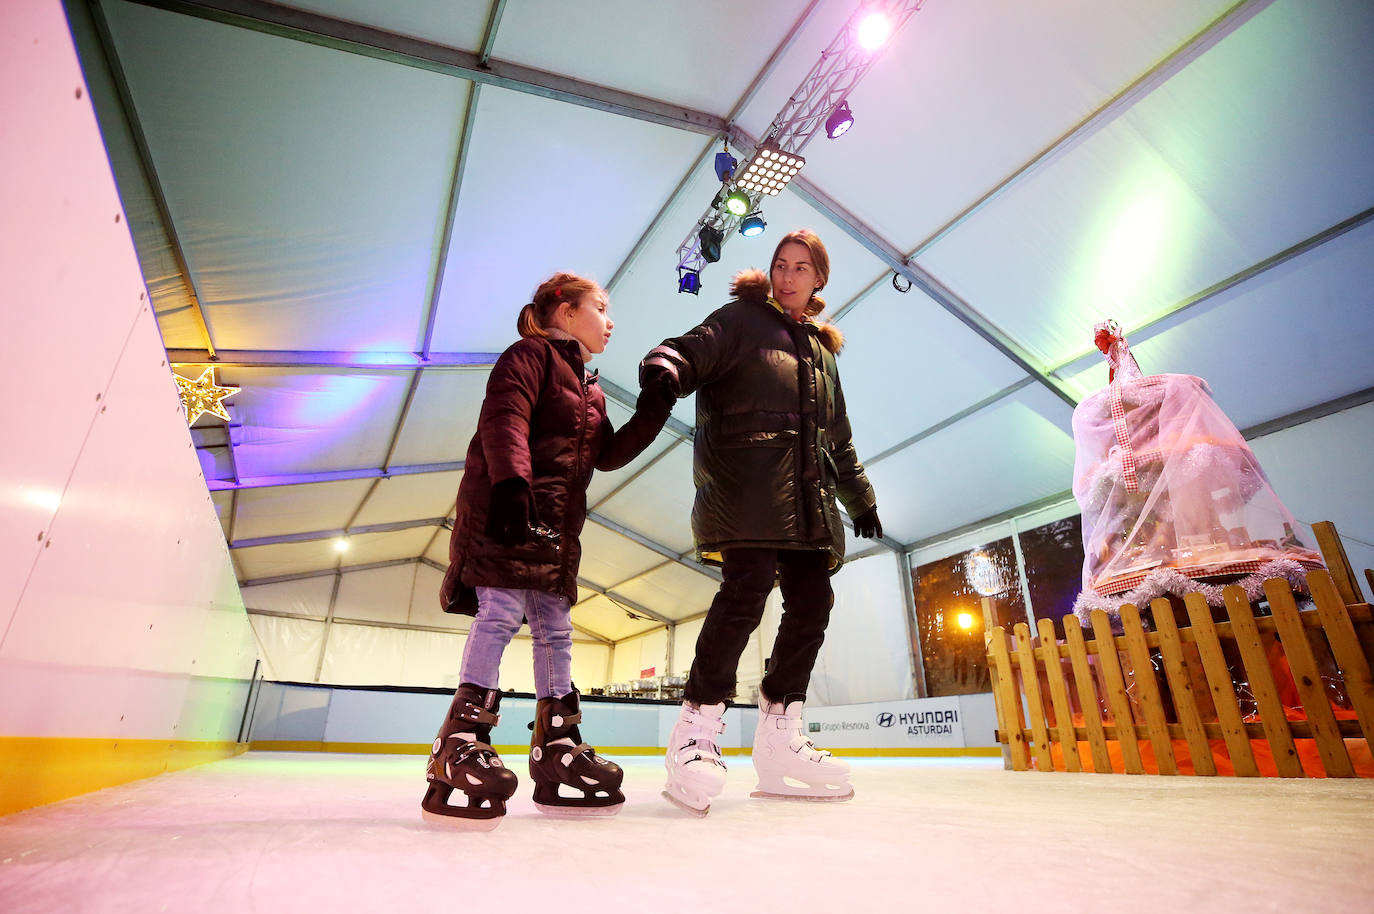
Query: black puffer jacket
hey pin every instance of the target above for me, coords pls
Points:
(543, 420)
(773, 448)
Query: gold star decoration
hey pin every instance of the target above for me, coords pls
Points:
(203, 396)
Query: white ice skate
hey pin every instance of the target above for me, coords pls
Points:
(788, 765)
(696, 772)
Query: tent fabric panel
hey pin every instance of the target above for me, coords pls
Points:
(258, 144)
(443, 416)
(673, 591)
(612, 622)
(376, 594)
(526, 148)
(961, 474)
(457, 25)
(634, 656)
(609, 558)
(278, 510)
(1286, 335)
(296, 420)
(606, 42)
(1163, 203)
(920, 385)
(660, 501)
(867, 652)
(363, 655)
(318, 555)
(424, 602)
(437, 549)
(409, 497)
(1301, 461)
(289, 648)
(431, 659)
(1037, 72)
(307, 596)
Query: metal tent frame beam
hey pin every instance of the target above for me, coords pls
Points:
(480, 68)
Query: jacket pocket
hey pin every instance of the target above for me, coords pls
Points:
(780, 438)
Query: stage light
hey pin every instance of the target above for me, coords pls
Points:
(965, 620)
(752, 225)
(874, 30)
(901, 283)
(769, 170)
(725, 165)
(840, 120)
(736, 203)
(710, 239)
(688, 281)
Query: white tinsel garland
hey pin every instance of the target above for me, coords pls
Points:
(1167, 581)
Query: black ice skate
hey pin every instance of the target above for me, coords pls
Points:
(464, 761)
(590, 785)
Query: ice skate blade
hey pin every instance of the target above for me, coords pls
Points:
(460, 823)
(699, 813)
(804, 797)
(578, 812)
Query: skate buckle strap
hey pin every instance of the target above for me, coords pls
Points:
(478, 715)
(566, 720)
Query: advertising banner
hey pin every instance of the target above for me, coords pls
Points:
(920, 723)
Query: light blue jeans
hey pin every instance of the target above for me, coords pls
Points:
(500, 611)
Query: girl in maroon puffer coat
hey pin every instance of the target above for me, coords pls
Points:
(514, 556)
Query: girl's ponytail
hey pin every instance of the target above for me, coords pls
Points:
(527, 324)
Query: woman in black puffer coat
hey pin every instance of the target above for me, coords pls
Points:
(772, 456)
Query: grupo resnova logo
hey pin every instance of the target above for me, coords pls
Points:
(813, 727)
(886, 719)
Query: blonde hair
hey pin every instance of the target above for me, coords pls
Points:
(820, 260)
(536, 316)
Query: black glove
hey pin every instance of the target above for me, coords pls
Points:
(511, 513)
(657, 395)
(867, 525)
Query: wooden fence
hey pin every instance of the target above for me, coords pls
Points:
(1194, 689)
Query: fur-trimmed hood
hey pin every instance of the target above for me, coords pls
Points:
(753, 286)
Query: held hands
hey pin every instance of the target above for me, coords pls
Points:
(511, 514)
(867, 525)
(657, 395)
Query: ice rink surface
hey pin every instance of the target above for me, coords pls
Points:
(320, 832)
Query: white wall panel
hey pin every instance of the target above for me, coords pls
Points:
(431, 659)
(363, 655)
(1321, 471)
(867, 652)
(130, 591)
(635, 655)
(290, 648)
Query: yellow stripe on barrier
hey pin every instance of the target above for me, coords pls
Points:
(39, 770)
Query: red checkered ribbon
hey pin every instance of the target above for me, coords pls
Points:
(1123, 440)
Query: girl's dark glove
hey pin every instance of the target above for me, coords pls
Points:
(867, 525)
(511, 514)
(657, 396)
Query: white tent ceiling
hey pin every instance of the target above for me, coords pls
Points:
(345, 203)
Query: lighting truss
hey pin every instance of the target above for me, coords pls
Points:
(842, 64)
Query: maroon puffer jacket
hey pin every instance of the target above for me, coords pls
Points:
(544, 420)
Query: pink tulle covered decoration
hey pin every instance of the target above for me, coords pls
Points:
(1166, 483)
